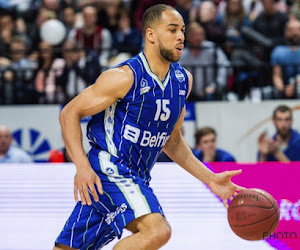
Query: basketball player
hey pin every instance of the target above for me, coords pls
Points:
(138, 109)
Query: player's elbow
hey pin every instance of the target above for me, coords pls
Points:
(62, 116)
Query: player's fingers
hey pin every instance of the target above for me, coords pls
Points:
(76, 193)
(234, 173)
(239, 188)
(99, 185)
(93, 192)
(83, 201)
(232, 196)
(87, 195)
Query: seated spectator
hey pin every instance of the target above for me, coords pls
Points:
(208, 64)
(18, 77)
(206, 149)
(7, 32)
(206, 15)
(285, 60)
(285, 144)
(44, 80)
(270, 23)
(69, 19)
(43, 16)
(92, 37)
(8, 152)
(184, 7)
(234, 19)
(143, 5)
(127, 38)
(74, 72)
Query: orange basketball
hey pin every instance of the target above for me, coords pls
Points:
(253, 214)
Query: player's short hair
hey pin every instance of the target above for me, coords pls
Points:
(204, 131)
(153, 15)
(282, 109)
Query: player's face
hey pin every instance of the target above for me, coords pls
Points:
(5, 140)
(170, 35)
(283, 123)
(208, 142)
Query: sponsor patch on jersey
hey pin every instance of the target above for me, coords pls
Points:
(179, 75)
(182, 92)
(144, 87)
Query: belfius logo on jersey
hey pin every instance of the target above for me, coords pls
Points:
(147, 139)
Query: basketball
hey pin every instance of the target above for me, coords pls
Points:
(253, 214)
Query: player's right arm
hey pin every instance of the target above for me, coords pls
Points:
(110, 86)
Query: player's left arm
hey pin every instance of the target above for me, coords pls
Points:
(179, 151)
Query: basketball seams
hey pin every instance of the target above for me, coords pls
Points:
(237, 206)
(256, 222)
(273, 204)
(274, 222)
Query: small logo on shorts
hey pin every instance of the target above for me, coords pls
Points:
(111, 216)
(110, 171)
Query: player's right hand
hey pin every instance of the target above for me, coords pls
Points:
(84, 182)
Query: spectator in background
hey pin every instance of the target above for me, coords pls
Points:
(18, 76)
(127, 38)
(7, 32)
(206, 149)
(285, 60)
(69, 19)
(234, 19)
(8, 152)
(108, 14)
(34, 29)
(92, 37)
(74, 72)
(184, 7)
(208, 64)
(143, 5)
(285, 144)
(44, 81)
(271, 24)
(206, 14)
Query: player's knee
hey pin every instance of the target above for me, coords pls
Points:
(161, 233)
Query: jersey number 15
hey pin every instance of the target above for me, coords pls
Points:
(162, 110)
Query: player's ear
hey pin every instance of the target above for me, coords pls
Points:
(150, 35)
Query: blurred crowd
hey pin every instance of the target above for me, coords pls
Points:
(236, 49)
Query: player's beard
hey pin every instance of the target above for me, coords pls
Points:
(167, 54)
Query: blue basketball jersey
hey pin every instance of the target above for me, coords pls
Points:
(134, 129)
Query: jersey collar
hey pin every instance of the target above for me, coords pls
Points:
(162, 84)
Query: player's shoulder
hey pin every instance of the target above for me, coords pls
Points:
(120, 74)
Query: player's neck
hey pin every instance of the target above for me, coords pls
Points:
(158, 65)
